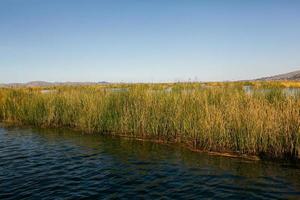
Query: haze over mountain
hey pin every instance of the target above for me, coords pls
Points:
(45, 84)
(291, 76)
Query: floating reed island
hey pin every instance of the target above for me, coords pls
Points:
(218, 117)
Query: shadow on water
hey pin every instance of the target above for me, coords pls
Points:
(41, 163)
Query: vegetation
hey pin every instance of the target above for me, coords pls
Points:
(219, 117)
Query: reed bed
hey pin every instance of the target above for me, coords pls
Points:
(219, 118)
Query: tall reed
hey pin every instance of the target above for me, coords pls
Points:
(223, 119)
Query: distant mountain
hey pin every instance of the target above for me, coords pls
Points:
(292, 76)
(46, 84)
(38, 83)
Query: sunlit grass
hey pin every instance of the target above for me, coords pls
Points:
(208, 116)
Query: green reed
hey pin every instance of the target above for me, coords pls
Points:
(221, 118)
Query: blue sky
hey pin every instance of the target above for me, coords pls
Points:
(147, 40)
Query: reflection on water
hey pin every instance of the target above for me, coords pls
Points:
(52, 164)
(286, 91)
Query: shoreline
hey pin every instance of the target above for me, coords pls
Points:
(234, 155)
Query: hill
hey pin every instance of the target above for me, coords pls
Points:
(291, 76)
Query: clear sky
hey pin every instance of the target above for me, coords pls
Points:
(147, 40)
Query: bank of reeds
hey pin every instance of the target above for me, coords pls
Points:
(220, 119)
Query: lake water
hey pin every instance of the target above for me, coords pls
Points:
(286, 91)
(60, 164)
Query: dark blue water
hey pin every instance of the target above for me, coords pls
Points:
(58, 164)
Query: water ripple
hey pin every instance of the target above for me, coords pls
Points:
(45, 164)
